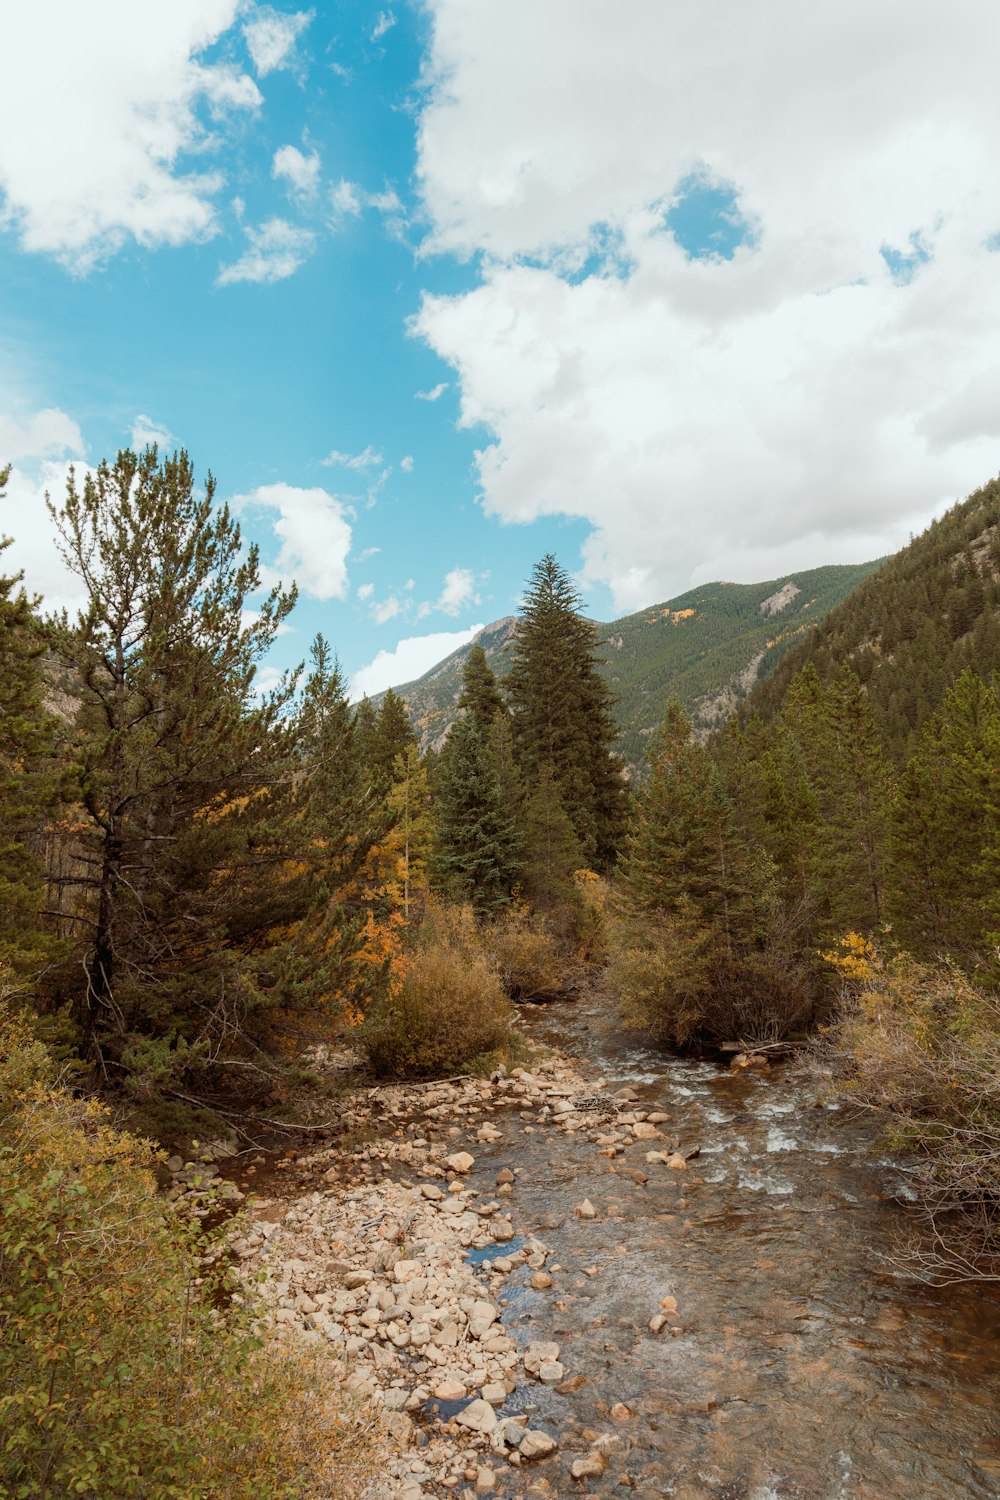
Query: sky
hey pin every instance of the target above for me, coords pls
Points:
(677, 292)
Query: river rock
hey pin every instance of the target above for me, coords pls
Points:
(536, 1444)
(620, 1412)
(450, 1390)
(482, 1316)
(460, 1162)
(540, 1281)
(550, 1372)
(677, 1162)
(591, 1466)
(536, 1353)
(644, 1131)
(657, 1322)
(504, 1178)
(478, 1416)
(586, 1209)
(485, 1481)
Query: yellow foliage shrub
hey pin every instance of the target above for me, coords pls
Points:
(524, 953)
(127, 1367)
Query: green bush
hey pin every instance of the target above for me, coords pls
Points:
(448, 1010)
(127, 1368)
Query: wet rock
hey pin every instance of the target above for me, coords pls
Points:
(677, 1162)
(504, 1176)
(537, 1444)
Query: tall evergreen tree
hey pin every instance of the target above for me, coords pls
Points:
(562, 711)
(550, 850)
(480, 695)
(384, 738)
(475, 856)
(182, 763)
(946, 829)
(28, 783)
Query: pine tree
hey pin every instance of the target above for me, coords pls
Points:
(182, 767)
(475, 856)
(946, 828)
(550, 847)
(28, 784)
(562, 711)
(480, 695)
(388, 737)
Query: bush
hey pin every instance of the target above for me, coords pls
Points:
(920, 1045)
(126, 1366)
(676, 977)
(448, 1010)
(523, 951)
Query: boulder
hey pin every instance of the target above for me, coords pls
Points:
(460, 1162)
(478, 1416)
(536, 1444)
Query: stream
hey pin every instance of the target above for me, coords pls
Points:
(798, 1366)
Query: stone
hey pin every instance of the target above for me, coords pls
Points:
(406, 1270)
(669, 1304)
(478, 1416)
(572, 1384)
(481, 1318)
(551, 1372)
(536, 1444)
(538, 1352)
(450, 1390)
(677, 1162)
(540, 1281)
(586, 1209)
(620, 1412)
(657, 1322)
(591, 1466)
(644, 1131)
(485, 1481)
(354, 1279)
(494, 1393)
(460, 1162)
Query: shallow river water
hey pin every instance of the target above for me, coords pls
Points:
(798, 1366)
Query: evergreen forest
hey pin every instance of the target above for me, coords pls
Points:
(201, 884)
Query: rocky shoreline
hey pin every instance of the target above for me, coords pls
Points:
(385, 1251)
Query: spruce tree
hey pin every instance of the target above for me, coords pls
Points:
(387, 737)
(182, 767)
(475, 857)
(28, 784)
(550, 850)
(480, 695)
(562, 711)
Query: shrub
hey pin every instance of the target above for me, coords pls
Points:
(676, 976)
(524, 953)
(127, 1368)
(919, 1044)
(449, 1009)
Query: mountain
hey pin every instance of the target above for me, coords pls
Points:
(913, 625)
(709, 646)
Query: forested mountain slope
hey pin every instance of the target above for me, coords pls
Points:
(912, 626)
(708, 646)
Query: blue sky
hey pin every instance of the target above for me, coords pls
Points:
(436, 288)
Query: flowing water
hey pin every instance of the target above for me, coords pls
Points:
(798, 1366)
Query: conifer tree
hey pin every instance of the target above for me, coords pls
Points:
(946, 828)
(388, 737)
(480, 695)
(181, 766)
(28, 784)
(475, 856)
(562, 711)
(550, 848)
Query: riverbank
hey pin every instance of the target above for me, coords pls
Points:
(718, 1326)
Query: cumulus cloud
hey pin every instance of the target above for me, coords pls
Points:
(368, 458)
(412, 657)
(345, 198)
(458, 591)
(365, 591)
(97, 155)
(276, 251)
(813, 391)
(386, 610)
(146, 432)
(40, 447)
(314, 533)
(298, 169)
(271, 36)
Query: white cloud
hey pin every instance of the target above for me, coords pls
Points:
(365, 590)
(412, 657)
(406, 464)
(145, 432)
(277, 250)
(386, 611)
(458, 590)
(314, 533)
(367, 553)
(98, 111)
(298, 170)
(704, 415)
(44, 434)
(345, 198)
(384, 22)
(368, 458)
(435, 393)
(271, 36)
